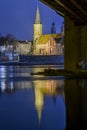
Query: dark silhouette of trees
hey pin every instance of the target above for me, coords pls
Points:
(7, 40)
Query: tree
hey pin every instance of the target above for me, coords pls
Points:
(2, 41)
(10, 38)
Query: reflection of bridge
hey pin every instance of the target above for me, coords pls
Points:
(75, 15)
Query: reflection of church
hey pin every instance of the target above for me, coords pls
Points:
(41, 89)
(49, 87)
(47, 44)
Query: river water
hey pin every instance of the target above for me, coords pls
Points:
(37, 102)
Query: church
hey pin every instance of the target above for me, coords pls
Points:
(47, 44)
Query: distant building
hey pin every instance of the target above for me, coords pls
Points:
(47, 44)
(53, 29)
(60, 45)
(16, 47)
(24, 47)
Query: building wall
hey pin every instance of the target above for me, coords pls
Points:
(37, 31)
(48, 48)
(59, 49)
(51, 48)
(40, 49)
(24, 48)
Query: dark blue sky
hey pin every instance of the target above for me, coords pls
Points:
(17, 18)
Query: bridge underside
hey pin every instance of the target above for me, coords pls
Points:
(75, 9)
(75, 17)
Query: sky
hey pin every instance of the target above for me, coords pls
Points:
(17, 17)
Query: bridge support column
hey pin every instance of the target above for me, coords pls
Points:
(75, 44)
(84, 42)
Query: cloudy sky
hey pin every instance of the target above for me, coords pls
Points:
(17, 18)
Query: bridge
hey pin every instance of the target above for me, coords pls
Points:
(75, 18)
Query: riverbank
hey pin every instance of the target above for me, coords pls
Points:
(36, 60)
(63, 72)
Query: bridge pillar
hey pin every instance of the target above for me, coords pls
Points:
(75, 44)
(84, 42)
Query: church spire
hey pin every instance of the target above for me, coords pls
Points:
(37, 19)
(53, 29)
(37, 26)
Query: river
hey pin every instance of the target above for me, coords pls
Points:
(37, 102)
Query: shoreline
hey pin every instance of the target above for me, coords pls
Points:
(63, 72)
(26, 63)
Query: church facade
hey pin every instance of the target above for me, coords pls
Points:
(46, 44)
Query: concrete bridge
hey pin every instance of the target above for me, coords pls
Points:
(75, 18)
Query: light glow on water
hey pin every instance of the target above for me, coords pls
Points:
(30, 104)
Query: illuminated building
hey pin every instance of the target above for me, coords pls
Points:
(46, 44)
(37, 27)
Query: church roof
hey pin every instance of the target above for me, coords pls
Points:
(43, 39)
(37, 19)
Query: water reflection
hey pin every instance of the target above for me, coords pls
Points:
(48, 96)
(42, 88)
(2, 86)
(46, 104)
(2, 72)
(76, 104)
(23, 71)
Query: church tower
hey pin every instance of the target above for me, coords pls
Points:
(53, 29)
(37, 27)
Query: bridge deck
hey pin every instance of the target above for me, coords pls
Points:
(75, 9)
